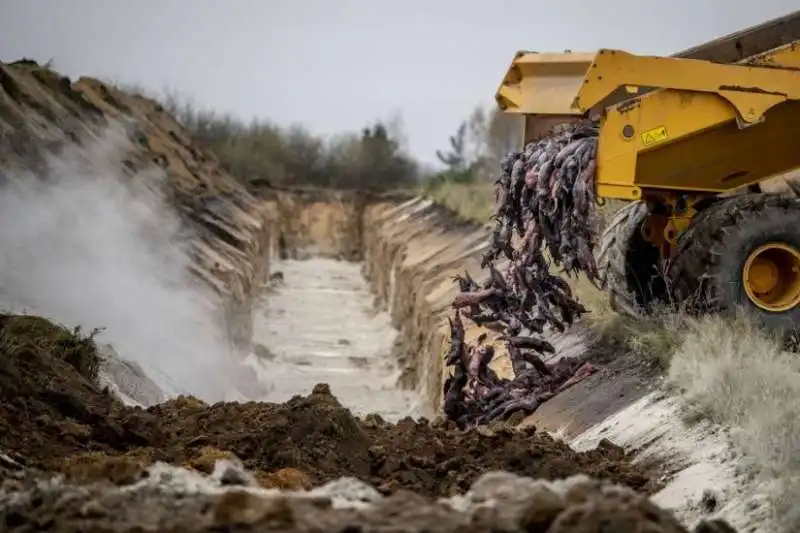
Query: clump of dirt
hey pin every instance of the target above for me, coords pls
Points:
(313, 433)
(173, 500)
(58, 420)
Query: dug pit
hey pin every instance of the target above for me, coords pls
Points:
(56, 419)
(319, 325)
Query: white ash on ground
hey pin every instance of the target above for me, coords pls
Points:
(176, 499)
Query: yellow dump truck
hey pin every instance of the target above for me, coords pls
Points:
(688, 141)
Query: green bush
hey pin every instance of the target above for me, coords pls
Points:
(71, 346)
(262, 152)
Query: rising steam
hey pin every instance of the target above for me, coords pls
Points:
(93, 247)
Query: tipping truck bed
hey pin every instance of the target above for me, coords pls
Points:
(741, 45)
(691, 122)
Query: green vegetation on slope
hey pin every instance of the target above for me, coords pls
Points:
(37, 335)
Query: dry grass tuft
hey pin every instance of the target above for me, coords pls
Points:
(735, 374)
(472, 201)
(653, 338)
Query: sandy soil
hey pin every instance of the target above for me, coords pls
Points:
(628, 403)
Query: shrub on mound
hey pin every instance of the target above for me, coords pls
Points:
(20, 332)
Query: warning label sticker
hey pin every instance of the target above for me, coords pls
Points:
(654, 136)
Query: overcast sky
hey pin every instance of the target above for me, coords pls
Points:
(333, 65)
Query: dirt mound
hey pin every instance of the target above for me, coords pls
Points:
(49, 407)
(55, 419)
(316, 435)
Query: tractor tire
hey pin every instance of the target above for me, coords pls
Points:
(707, 271)
(627, 263)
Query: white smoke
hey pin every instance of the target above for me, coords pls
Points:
(93, 247)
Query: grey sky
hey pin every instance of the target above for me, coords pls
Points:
(336, 64)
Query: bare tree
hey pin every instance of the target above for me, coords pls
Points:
(456, 158)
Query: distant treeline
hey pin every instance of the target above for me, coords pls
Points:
(260, 152)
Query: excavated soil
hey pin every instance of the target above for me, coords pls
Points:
(173, 500)
(114, 460)
(53, 418)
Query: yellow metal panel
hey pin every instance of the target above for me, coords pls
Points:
(573, 83)
(726, 157)
(695, 125)
(752, 90)
(685, 140)
(679, 114)
(543, 83)
(703, 150)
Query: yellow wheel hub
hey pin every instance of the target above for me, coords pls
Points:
(771, 277)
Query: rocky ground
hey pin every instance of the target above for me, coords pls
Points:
(55, 420)
(177, 500)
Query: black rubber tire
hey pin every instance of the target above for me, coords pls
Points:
(627, 264)
(705, 273)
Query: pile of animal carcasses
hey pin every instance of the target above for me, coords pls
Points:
(545, 200)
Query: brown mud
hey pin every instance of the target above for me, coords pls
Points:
(53, 419)
(56, 420)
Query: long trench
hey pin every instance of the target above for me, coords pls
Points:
(320, 326)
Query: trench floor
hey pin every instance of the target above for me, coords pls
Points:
(321, 327)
